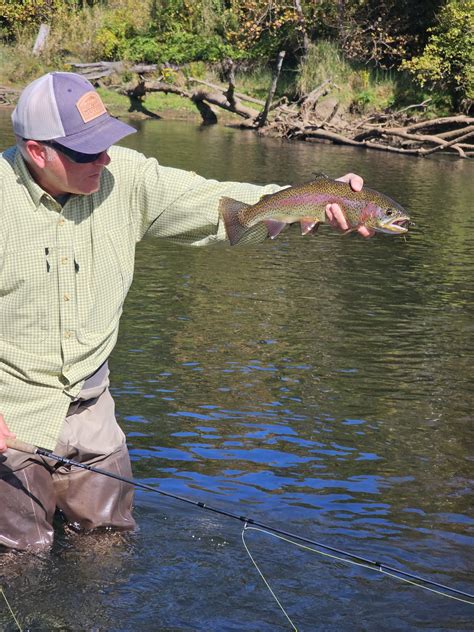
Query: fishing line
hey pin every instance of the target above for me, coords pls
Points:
(263, 576)
(334, 557)
(443, 590)
(10, 609)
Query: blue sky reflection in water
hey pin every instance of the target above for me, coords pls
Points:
(323, 385)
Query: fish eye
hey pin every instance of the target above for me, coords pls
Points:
(390, 211)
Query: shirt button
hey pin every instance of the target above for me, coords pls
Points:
(61, 221)
(66, 297)
(64, 260)
(67, 334)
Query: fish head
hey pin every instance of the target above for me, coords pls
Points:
(386, 216)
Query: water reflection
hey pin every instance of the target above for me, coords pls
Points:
(323, 385)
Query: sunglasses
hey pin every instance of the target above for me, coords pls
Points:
(72, 154)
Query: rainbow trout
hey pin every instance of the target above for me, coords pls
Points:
(307, 203)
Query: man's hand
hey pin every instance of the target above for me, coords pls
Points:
(335, 214)
(4, 434)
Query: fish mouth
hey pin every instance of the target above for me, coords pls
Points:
(398, 225)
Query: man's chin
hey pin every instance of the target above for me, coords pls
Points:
(91, 186)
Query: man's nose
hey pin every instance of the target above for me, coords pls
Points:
(103, 159)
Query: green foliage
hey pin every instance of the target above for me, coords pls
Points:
(197, 69)
(178, 47)
(348, 39)
(175, 32)
(447, 61)
(15, 16)
(197, 16)
(141, 48)
(114, 36)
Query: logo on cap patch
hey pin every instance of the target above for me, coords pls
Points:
(90, 106)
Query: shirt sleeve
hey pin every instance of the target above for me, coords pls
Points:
(183, 206)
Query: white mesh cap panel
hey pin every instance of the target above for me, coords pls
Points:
(36, 115)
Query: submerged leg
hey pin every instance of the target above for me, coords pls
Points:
(27, 503)
(89, 500)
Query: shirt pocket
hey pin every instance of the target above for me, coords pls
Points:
(26, 286)
(104, 274)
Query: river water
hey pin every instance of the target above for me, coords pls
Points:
(322, 385)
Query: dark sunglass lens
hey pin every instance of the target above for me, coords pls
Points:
(76, 156)
(84, 158)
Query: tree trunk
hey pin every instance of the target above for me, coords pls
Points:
(262, 118)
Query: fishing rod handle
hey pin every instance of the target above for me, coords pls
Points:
(21, 446)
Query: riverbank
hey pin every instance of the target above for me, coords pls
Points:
(322, 115)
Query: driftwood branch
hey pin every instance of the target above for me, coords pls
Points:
(419, 138)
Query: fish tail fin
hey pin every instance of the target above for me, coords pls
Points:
(229, 211)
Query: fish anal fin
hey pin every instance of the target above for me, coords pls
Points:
(308, 225)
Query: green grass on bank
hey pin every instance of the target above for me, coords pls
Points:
(119, 104)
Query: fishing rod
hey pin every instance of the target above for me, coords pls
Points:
(28, 448)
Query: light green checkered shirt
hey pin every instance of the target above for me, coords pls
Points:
(65, 272)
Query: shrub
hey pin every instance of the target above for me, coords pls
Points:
(447, 61)
(16, 16)
(178, 47)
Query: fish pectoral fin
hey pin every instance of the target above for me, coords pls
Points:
(229, 211)
(274, 227)
(308, 225)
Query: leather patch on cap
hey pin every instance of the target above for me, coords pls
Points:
(90, 106)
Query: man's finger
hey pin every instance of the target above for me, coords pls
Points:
(336, 217)
(366, 232)
(354, 180)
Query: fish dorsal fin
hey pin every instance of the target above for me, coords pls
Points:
(319, 175)
(266, 196)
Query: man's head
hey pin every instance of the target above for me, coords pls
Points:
(65, 132)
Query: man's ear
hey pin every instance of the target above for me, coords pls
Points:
(37, 152)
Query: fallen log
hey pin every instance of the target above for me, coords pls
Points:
(223, 89)
(102, 69)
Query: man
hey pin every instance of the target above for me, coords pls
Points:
(73, 207)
